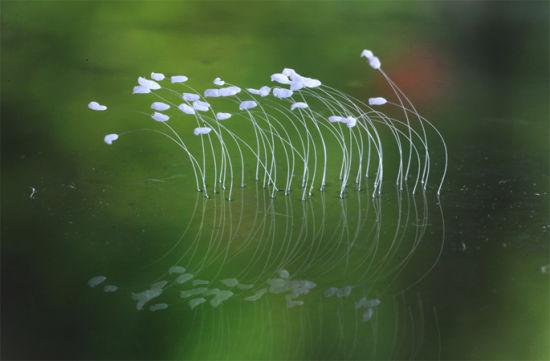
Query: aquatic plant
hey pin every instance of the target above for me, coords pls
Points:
(299, 125)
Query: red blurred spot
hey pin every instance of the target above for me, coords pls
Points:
(421, 73)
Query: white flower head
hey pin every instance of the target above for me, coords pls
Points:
(223, 116)
(218, 81)
(248, 104)
(280, 78)
(201, 106)
(377, 101)
(211, 93)
(351, 122)
(140, 89)
(187, 109)
(157, 76)
(263, 91)
(282, 93)
(160, 106)
(374, 63)
(96, 106)
(298, 105)
(151, 84)
(288, 72)
(110, 138)
(229, 91)
(336, 119)
(178, 79)
(190, 97)
(202, 130)
(367, 54)
(159, 117)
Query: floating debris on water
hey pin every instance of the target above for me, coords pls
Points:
(96, 281)
(176, 269)
(196, 301)
(158, 307)
(110, 288)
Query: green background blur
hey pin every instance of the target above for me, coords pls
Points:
(478, 70)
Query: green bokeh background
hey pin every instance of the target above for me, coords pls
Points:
(478, 70)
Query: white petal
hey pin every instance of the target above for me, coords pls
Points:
(140, 89)
(377, 101)
(157, 76)
(367, 54)
(351, 122)
(201, 130)
(253, 91)
(211, 93)
(218, 81)
(229, 91)
(282, 93)
(159, 117)
(110, 138)
(201, 106)
(298, 105)
(336, 119)
(160, 106)
(151, 84)
(289, 72)
(297, 84)
(248, 104)
(190, 97)
(311, 83)
(223, 116)
(264, 91)
(280, 78)
(96, 106)
(178, 78)
(186, 109)
(374, 63)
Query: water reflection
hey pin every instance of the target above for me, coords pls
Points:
(335, 274)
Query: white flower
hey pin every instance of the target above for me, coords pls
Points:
(190, 97)
(374, 63)
(186, 109)
(282, 93)
(157, 76)
(263, 91)
(96, 106)
(151, 84)
(218, 81)
(367, 54)
(160, 106)
(289, 72)
(248, 104)
(377, 101)
(280, 78)
(336, 119)
(159, 117)
(351, 122)
(223, 116)
(298, 105)
(201, 106)
(201, 130)
(178, 79)
(211, 93)
(110, 138)
(297, 84)
(140, 89)
(229, 91)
